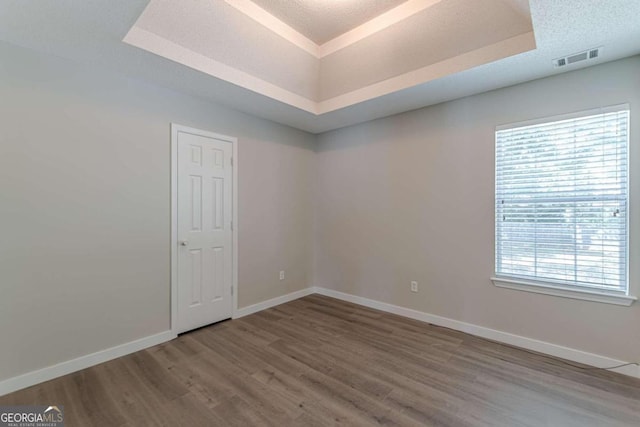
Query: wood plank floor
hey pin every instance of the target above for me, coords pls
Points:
(318, 361)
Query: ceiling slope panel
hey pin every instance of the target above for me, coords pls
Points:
(442, 32)
(219, 32)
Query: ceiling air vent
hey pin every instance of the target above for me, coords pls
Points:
(577, 57)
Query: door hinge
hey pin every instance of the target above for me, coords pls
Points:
(231, 161)
(231, 225)
(232, 291)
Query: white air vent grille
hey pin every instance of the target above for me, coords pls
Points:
(577, 57)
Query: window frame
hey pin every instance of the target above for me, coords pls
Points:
(549, 286)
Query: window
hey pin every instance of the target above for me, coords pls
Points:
(562, 204)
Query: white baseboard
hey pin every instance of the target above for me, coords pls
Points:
(492, 334)
(64, 368)
(250, 309)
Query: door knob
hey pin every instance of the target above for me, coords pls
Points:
(184, 243)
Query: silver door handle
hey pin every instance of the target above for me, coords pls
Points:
(184, 243)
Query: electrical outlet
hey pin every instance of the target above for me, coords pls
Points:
(414, 286)
(282, 275)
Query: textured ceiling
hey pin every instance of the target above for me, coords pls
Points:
(441, 32)
(323, 20)
(216, 30)
(431, 39)
(91, 33)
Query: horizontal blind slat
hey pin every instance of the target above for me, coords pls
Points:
(561, 200)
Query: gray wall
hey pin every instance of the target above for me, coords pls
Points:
(85, 204)
(411, 197)
(85, 207)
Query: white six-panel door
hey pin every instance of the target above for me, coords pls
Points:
(204, 237)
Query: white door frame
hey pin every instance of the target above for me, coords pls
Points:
(175, 128)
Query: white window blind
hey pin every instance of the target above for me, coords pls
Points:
(561, 200)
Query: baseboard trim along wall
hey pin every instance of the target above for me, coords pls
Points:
(64, 368)
(250, 309)
(492, 334)
(83, 362)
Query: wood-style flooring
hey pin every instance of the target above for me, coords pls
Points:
(318, 361)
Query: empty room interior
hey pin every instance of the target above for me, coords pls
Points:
(319, 212)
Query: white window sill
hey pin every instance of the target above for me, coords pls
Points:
(564, 291)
